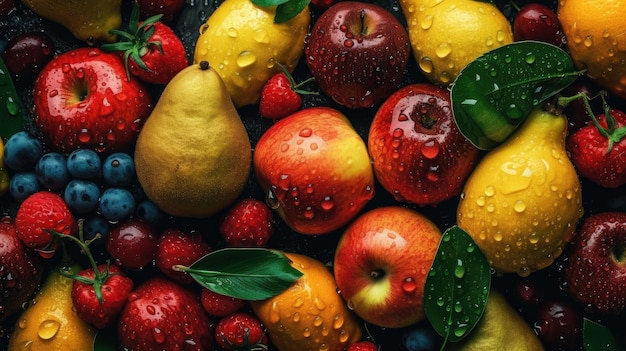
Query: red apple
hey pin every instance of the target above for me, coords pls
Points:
(83, 100)
(596, 271)
(315, 170)
(358, 53)
(419, 154)
(381, 264)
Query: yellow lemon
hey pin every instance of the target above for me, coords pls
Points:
(242, 42)
(522, 202)
(446, 35)
(596, 39)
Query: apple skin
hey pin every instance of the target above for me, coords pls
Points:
(418, 152)
(381, 263)
(358, 53)
(314, 169)
(596, 271)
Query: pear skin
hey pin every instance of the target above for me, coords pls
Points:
(89, 21)
(193, 154)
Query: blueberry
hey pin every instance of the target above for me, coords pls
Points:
(420, 339)
(51, 170)
(148, 211)
(94, 225)
(22, 151)
(81, 196)
(23, 184)
(84, 164)
(117, 204)
(118, 169)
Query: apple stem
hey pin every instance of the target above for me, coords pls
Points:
(619, 252)
(362, 18)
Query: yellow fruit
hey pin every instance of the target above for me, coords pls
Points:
(446, 35)
(596, 39)
(193, 154)
(50, 323)
(522, 202)
(500, 328)
(243, 43)
(310, 315)
(89, 21)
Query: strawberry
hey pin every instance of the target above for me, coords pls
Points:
(177, 247)
(162, 315)
(280, 95)
(20, 270)
(99, 297)
(218, 305)
(40, 212)
(363, 346)
(248, 223)
(240, 331)
(598, 150)
(152, 51)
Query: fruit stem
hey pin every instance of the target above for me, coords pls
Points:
(362, 18)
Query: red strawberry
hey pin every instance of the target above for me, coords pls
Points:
(248, 223)
(219, 305)
(179, 248)
(99, 298)
(43, 210)
(598, 150)
(81, 100)
(152, 51)
(20, 270)
(240, 331)
(280, 95)
(363, 346)
(162, 315)
(168, 8)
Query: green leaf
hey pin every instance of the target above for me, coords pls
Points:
(494, 93)
(289, 10)
(106, 340)
(268, 3)
(12, 114)
(597, 337)
(244, 273)
(457, 285)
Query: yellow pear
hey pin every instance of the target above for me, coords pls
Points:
(523, 200)
(500, 328)
(50, 322)
(89, 21)
(193, 154)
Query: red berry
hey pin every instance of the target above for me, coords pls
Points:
(278, 99)
(363, 346)
(239, 330)
(168, 8)
(559, 325)
(132, 244)
(43, 210)
(538, 22)
(115, 287)
(248, 223)
(219, 305)
(26, 54)
(179, 248)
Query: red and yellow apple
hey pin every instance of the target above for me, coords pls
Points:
(315, 170)
(381, 263)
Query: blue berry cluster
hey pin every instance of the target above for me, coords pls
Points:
(101, 189)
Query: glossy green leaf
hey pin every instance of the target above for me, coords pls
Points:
(244, 273)
(457, 285)
(267, 3)
(597, 337)
(12, 114)
(289, 10)
(494, 93)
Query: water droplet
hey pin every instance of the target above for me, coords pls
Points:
(317, 321)
(470, 248)
(490, 191)
(232, 32)
(271, 200)
(22, 323)
(519, 206)
(430, 149)
(440, 301)
(48, 329)
(426, 65)
(409, 285)
(260, 36)
(338, 321)
(328, 203)
(246, 58)
(459, 269)
(443, 50)
(306, 332)
(158, 335)
(427, 22)
(530, 58)
(588, 41)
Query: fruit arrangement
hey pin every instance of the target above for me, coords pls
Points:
(312, 175)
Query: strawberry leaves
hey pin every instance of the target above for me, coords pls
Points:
(285, 9)
(597, 337)
(457, 286)
(494, 93)
(244, 273)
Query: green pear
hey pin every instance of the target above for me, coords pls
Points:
(193, 154)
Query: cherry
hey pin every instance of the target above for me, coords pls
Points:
(559, 325)
(132, 244)
(528, 292)
(576, 111)
(538, 22)
(26, 54)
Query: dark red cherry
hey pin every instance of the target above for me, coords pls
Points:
(576, 110)
(26, 54)
(132, 244)
(559, 325)
(538, 22)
